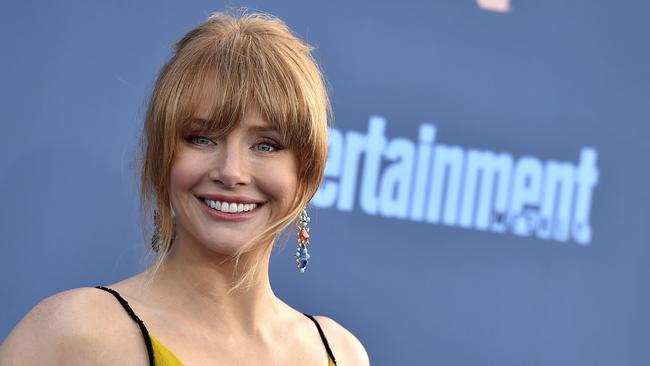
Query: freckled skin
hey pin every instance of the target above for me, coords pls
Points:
(243, 163)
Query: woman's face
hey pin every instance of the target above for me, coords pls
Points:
(225, 191)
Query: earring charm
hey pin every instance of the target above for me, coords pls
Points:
(302, 255)
(156, 237)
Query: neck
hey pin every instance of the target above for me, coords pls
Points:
(198, 286)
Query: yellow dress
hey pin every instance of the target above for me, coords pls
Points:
(164, 357)
(159, 355)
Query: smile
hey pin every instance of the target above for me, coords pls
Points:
(230, 207)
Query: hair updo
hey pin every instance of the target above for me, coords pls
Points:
(235, 62)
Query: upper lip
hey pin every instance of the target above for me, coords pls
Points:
(231, 199)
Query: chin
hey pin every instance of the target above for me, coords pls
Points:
(229, 248)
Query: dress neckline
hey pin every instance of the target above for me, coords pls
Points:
(151, 341)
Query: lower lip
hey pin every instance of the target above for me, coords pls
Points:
(239, 216)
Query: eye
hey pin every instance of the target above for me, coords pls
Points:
(267, 147)
(199, 140)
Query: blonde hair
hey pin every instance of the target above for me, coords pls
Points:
(240, 61)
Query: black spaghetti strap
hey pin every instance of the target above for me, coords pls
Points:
(322, 336)
(143, 329)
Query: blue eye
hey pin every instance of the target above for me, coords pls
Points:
(266, 147)
(200, 140)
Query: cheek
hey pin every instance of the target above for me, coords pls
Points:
(279, 181)
(184, 172)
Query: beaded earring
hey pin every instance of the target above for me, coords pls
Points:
(302, 256)
(156, 238)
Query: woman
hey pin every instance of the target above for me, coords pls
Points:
(234, 147)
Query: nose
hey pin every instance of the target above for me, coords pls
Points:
(231, 168)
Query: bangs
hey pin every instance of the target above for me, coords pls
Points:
(220, 81)
(220, 70)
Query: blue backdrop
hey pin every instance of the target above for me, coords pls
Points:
(486, 199)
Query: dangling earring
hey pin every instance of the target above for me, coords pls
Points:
(156, 238)
(302, 256)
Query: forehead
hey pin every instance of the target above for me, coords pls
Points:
(252, 120)
(214, 105)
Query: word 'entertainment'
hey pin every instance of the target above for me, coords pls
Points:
(469, 188)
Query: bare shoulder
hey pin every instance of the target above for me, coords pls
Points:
(347, 348)
(80, 326)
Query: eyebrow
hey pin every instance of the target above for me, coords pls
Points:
(198, 123)
(202, 123)
(262, 128)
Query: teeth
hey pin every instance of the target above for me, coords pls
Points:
(230, 207)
